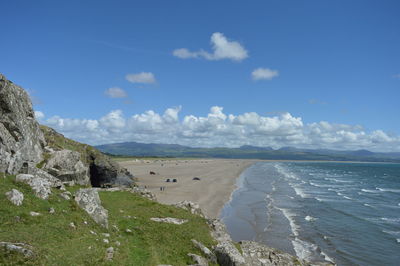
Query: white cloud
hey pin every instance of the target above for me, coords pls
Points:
(142, 77)
(116, 92)
(184, 53)
(221, 129)
(397, 76)
(222, 47)
(264, 73)
(39, 115)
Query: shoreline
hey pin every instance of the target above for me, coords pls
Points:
(218, 178)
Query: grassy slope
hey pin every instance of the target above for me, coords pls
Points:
(58, 142)
(56, 243)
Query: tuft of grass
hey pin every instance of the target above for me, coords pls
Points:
(46, 157)
(56, 243)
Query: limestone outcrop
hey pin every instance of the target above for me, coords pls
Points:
(88, 199)
(40, 186)
(15, 196)
(194, 208)
(28, 148)
(98, 169)
(21, 248)
(66, 165)
(21, 140)
(169, 220)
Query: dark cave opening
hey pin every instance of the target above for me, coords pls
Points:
(94, 175)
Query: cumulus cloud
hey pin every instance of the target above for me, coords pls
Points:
(116, 92)
(264, 74)
(142, 77)
(223, 130)
(39, 115)
(222, 47)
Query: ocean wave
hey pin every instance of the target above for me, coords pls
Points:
(388, 190)
(393, 233)
(304, 250)
(338, 180)
(300, 192)
(320, 185)
(327, 258)
(368, 205)
(285, 173)
(310, 218)
(391, 220)
(289, 216)
(370, 191)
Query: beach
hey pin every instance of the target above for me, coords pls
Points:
(217, 179)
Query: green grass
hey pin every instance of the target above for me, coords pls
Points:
(56, 243)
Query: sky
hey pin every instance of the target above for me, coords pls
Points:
(301, 73)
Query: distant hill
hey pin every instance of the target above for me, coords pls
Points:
(244, 152)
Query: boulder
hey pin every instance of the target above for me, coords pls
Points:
(88, 199)
(66, 165)
(225, 251)
(227, 254)
(209, 255)
(54, 182)
(109, 253)
(41, 186)
(169, 220)
(15, 197)
(200, 261)
(21, 140)
(260, 255)
(21, 248)
(194, 208)
(144, 193)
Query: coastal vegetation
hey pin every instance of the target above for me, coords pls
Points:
(70, 237)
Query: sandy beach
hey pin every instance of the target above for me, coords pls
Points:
(211, 192)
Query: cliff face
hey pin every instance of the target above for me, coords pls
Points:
(27, 147)
(21, 140)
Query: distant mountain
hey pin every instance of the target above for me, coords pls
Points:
(244, 152)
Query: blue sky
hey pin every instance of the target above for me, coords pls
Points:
(332, 65)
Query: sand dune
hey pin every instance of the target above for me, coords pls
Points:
(211, 192)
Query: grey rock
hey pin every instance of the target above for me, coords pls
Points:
(169, 220)
(260, 255)
(52, 211)
(144, 193)
(105, 240)
(72, 225)
(15, 197)
(194, 208)
(21, 248)
(88, 199)
(228, 254)
(109, 253)
(225, 251)
(41, 186)
(66, 165)
(34, 213)
(21, 140)
(218, 230)
(54, 182)
(209, 255)
(66, 195)
(200, 261)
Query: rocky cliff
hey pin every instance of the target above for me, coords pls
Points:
(26, 147)
(21, 140)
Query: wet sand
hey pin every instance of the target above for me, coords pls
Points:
(211, 192)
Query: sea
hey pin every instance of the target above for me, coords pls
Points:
(345, 213)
